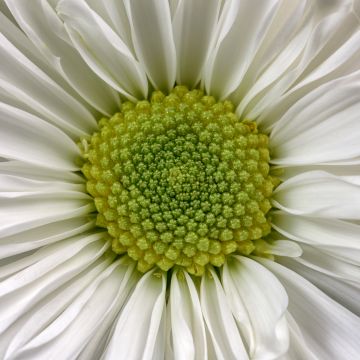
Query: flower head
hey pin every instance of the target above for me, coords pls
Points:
(179, 179)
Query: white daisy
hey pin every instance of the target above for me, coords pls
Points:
(179, 179)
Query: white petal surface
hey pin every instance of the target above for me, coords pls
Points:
(151, 29)
(32, 278)
(224, 334)
(43, 235)
(22, 79)
(28, 138)
(319, 194)
(258, 302)
(39, 21)
(322, 127)
(237, 41)
(139, 326)
(193, 37)
(188, 336)
(324, 46)
(67, 335)
(34, 172)
(333, 236)
(102, 49)
(329, 329)
(335, 286)
(46, 311)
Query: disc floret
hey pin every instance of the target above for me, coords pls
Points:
(179, 180)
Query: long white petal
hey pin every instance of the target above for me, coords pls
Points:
(187, 325)
(343, 292)
(138, 328)
(28, 138)
(22, 79)
(193, 37)
(69, 333)
(237, 41)
(43, 235)
(41, 24)
(41, 273)
(337, 237)
(224, 334)
(258, 302)
(320, 194)
(151, 30)
(322, 127)
(102, 49)
(330, 330)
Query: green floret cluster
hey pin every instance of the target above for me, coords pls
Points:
(179, 181)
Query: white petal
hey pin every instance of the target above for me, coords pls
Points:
(187, 325)
(41, 273)
(193, 37)
(102, 49)
(67, 335)
(22, 79)
(333, 236)
(298, 348)
(29, 210)
(137, 330)
(330, 331)
(118, 18)
(28, 138)
(278, 247)
(39, 21)
(330, 50)
(258, 302)
(34, 172)
(237, 42)
(322, 127)
(320, 194)
(43, 235)
(152, 36)
(47, 310)
(343, 292)
(224, 334)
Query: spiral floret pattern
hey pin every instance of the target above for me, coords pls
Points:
(179, 181)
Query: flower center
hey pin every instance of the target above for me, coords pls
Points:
(179, 180)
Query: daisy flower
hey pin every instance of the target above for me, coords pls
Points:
(179, 179)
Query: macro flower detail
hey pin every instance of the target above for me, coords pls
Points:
(179, 179)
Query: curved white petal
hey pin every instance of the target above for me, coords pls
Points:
(243, 25)
(43, 235)
(34, 172)
(22, 79)
(278, 247)
(48, 309)
(319, 194)
(139, 332)
(152, 35)
(339, 289)
(333, 236)
(188, 336)
(193, 37)
(322, 127)
(325, 47)
(224, 334)
(41, 24)
(30, 210)
(116, 12)
(329, 330)
(102, 49)
(32, 278)
(258, 302)
(28, 138)
(68, 334)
